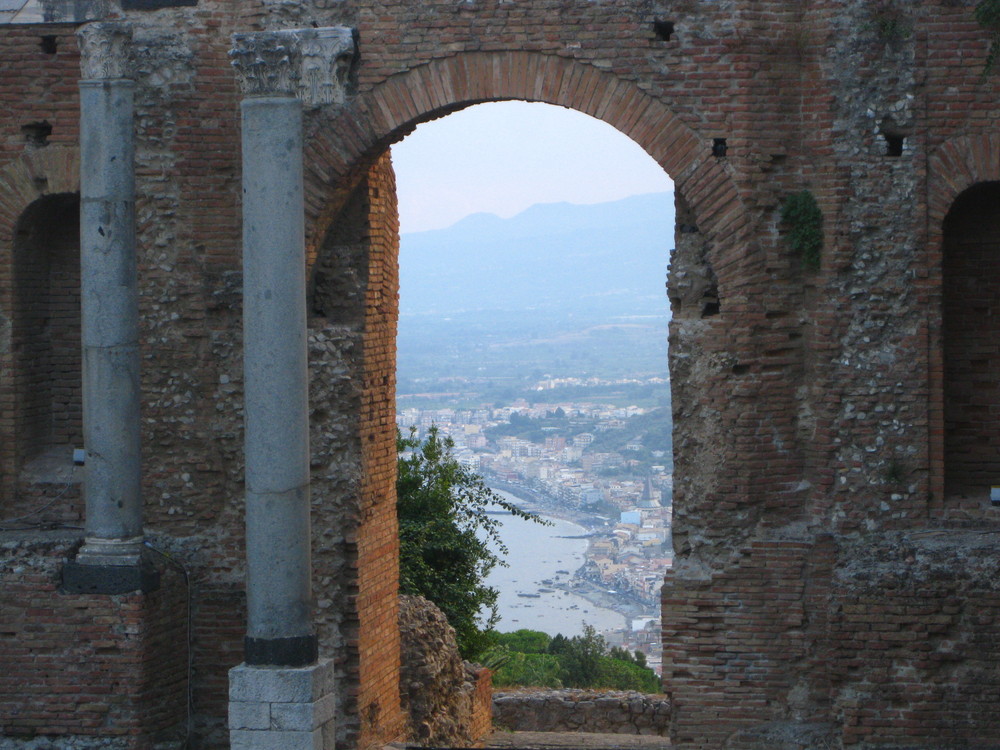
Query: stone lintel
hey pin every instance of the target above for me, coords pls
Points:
(105, 48)
(311, 64)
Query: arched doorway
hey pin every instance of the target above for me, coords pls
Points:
(351, 242)
(971, 328)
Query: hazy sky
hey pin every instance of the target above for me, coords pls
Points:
(503, 157)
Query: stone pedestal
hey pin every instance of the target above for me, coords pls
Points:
(291, 708)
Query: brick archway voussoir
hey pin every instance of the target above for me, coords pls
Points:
(444, 85)
(956, 166)
(49, 171)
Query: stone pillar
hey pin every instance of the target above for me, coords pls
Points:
(281, 680)
(110, 315)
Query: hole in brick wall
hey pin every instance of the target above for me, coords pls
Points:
(663, 30)
(741, 369)
(894, 144)
(687, 228)
(719, 147)
(709, 309)
(49, 45)
(37, 133)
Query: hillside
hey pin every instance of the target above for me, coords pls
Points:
(559, 289)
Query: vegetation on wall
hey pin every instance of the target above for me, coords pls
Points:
(889, 22)
(803, 220)
(988, 16)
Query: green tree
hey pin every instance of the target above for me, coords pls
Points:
(535, 670)
(441, 505)
(526, 641)
(582, 657)
(615, 674)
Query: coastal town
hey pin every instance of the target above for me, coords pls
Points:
(604, 467)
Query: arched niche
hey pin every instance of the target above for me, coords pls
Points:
(971, 347)
(45, 335)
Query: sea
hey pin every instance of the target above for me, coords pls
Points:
(539, 557)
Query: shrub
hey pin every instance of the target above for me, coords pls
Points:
(804, 222)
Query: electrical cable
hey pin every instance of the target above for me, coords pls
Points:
(31, 525)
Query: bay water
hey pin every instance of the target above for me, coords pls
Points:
(540, 557)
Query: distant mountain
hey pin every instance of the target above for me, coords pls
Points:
(563, 289)
(609, 256)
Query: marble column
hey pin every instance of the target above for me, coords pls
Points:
(109, 307)
(283, 695)
(278, 72)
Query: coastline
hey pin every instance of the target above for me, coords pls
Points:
(576, 584)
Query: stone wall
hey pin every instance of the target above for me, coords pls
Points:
(819, 414)
(602, 712)
(79, 668)
(445, 699)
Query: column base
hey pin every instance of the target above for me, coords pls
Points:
(292, 708)
(298, 651)
(97, 551)
(97, 576)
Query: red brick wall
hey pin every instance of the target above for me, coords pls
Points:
(737, 644)
(812, 405)
(378, 535)
(355, 290)
(88, 665)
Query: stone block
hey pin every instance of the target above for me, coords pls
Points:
(303, 716)
(281, 684)
(249, 739)
(249, 715)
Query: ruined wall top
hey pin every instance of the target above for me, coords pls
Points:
(309, 63)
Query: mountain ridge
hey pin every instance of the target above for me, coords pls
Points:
(548, 252)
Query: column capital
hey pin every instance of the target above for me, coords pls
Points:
(105, 47)
(311, 64)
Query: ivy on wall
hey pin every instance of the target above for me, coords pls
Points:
(804, 224)
(988, 16)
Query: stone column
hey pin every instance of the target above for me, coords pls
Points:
(279, 622)
(278, 71)
(110, 316)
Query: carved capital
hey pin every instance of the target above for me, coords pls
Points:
(311, 64)
(105, 47)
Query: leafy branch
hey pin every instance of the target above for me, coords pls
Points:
(987, 15)
(801, 215)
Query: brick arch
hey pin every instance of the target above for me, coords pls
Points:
(35, 174)
(954, 167)
(338, 152)
(348, 181)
